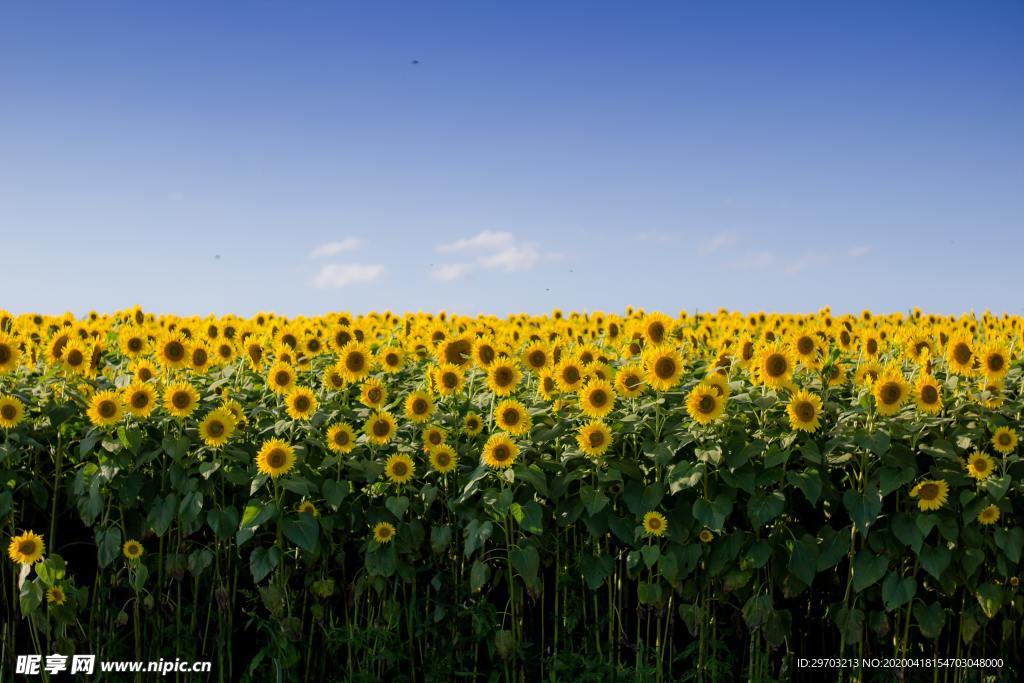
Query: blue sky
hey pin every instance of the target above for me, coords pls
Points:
(199, 157)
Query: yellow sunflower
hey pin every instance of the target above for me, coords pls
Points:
(928, 394)
(275, 458)
(76, 357)
(891, 390)
(472, 424)
(443, 458)
(172, 352)
(704, 404)
(1004, 440)
(433, 436)
(399, 468)
(332, 379)
(139, 398)
(994, 360)
(804, 411)
(300, 403)
(664, 367)
(55, 595)
(307, 507)
(391, 359)
(280, 378)
(383, 532)
(26, 548)
(867, 373)
(500, 452)
(380, 428)
(132, 549)
(706, 536)
(960, 353)
(503, 376)
(989, 515)
(980, 465)
(594, 438)
(419, 406)
(354, 361)
(536, 356)
(655, 524)
(774, 365)
(12, 411)
(217, 427)
(513, 417)
(448, 379)
(142, 370)
(341, 438)
(456, 350)
(10, 353)
(994, 391)
(930, 494)
(105, 408)
(569, 374)
(181, 399)
(373, 394)
(630, 381)
(597, 398)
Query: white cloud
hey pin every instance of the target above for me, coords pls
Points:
(720, 241)
(335, 248)
(491, 250)
(334, 275)
(754, 261)
(446, 272)
(862, 250)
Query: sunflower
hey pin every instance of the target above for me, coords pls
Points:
(12, 411)
(960, 354)
(419, 406)
(804, 411)
(594, 438)
(867, 373)
(10, 353)
(55, 595)
(891, 390)
(448, 379)
(512, 417)
(807, 349)
(928, 394)
(706, 536)
(235, 408)
(105, 408)
(139, 398)
(989, 515)
(630, 381)
(930, 494)
(774, 365)
(655, 524)
(281, 378)
(547, 386)
(597, 398)
(383, 532)
(995, 361)
(503, 376)
(26, 548)
(664, 367)
(656, 328)
(980, 465)
(536, 356)
(1004, 440)
(307, 507)
(704, 404)
(300, 403)
(720, 382)
(500, 452)
(484, 352)
(172, 352)
(433, 436)
(142, 370)
(332, 379)
(180, 399)
(569, 374)
(217, 427)
(994, 391)
(391, 359)
(472, 424)
(132, 549)
(456, 350)
(341, 438)
(380, 428)
(443, 458)
(255, 353)
(871, 345)
(275, 458)
(354, 361)
(76, 357)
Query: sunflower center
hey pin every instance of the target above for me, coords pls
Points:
(74, 358)
(981, 465)
(844, 338)
(107, 408)
(706, 404)
(929, 394)
(929, 492)
(472, 423)
(174, 351)
(449, 380)
(804, 410)
(140, 400)
(549, 384)
(665, 368)
(537, 358)
(215, 428)
(200, 357)
(381, 428)
(598, 398)
(962, 353)
(277, 458)
(596, 439)
(656, 331)
(355, 362)
(511, 416)
(456, 352)
(419, 406)
(391, 359)
(399, 469)
(872, 346)
(502, 453)
(442, 458)
(341, 437)
(373, 394)
(302, 403)
(181, 400)
(890, 393)
(1004, 439)
(503, 377)
(8, 412)
(776, 365)
(654, 523)
(5, 353)
(27, 547)
(996, 362)
(805, 345)
(282, 378)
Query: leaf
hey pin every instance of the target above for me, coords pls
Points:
(334, 492)
(876, 442)
(804, 559)
(257, 513)
(1010, 541)
(593, 499)
(440, 538)
(868, 568)
(906, 531)
(526, 561)
(262, 561)
(597, 568)
(532, 518)
(397, 505)
(108, 545)
(808, 481)
(757, 610)
(478, 576)
(476, 535)
(162, 514)
(935, 559)
(832, 549)
(997, 486)
(712, 514)
(991, 598)
(930, 618)
(762, 507)
(850, 623)
(199, 560)
(863, 507)
(897, 591)
(223, 522)
(648, 592)
(303, 531)
(650, 553)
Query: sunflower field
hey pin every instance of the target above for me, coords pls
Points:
(578, 497)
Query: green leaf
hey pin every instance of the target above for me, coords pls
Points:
(334, 492)
(440, 538)
(935, 559)
(257, 513)
(850, 623)
(833, 548)
(397, 505)
(108, 545)
(808, 481)
(997, 486)
(868, 568)
(478, 576)
(991, 598)
(303, 531)
(1010, 541)
(930, 618)
(532, 518)
(651, 554)
(764, 507)
(199, 561)
(863, 507)
(593, 499)
(476, 535)
(262, 561)
(897, 591)
(223, 522)
(877, 442)
(597, 568)
(648, 592)
(526, 561)
(381, 560)
(757, 610)
(906, 531)
(162, 514)
(804, 559)
(712, 514)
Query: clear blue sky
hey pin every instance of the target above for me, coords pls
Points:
(769, 155)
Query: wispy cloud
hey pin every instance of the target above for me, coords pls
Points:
(335, 248)
(722, 240)
(334, 275)
(757, 260)
(490, 250)
(859, 251)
